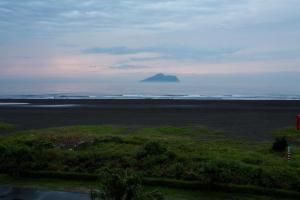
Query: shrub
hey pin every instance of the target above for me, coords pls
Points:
(122, 185)
(74, 141)
(176, 170)
(155, 160)
(15, 159)
(107, 139)
(280, 144)
(39, 144)
(228, 171)
(152, 148)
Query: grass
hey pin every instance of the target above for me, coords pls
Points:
(4, 127)
(191, 153)
(197, 143)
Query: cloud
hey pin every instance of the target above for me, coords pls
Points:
(197, 54)
(67, 45)
(117, 50)
(193, 32)
(176, 53)
(124, 66)
(75, 15)
(84, 14)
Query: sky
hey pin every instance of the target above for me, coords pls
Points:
(42, 39)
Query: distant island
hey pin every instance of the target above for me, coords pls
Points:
(161, 78)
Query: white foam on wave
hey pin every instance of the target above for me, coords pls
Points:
(55, 106)
(156, 96)
(204, 97)
(12, 104)
(49, 96)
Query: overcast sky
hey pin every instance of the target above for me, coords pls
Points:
(76, 38)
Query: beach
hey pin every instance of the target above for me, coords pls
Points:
(241, 118)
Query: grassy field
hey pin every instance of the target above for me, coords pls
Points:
(185, 154)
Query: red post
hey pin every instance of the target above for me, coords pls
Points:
(298, 122)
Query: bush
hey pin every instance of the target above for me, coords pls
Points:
(15, 159)
(122, 185)
(155, 160)
(176, 170)
(39, 144)
(152, 148)
(280, 144)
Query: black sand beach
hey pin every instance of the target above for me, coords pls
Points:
(251, 119)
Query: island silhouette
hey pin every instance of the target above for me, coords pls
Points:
(160, 77)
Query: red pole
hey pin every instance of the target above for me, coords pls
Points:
(298, 122)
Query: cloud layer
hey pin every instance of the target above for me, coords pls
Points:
(201, 36)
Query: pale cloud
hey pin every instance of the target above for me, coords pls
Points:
(84, 14)
(124, 66)
(143, 14)
(196, 36)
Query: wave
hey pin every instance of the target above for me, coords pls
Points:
(48, 96)
(205, 97)
(149, 96)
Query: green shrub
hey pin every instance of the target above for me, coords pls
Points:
(176, 170)
(107, 139)
(227, 171)
(152, 148)
(155, 160)
(280, 144)
(122, 185)
(15, 159)
(39, 144)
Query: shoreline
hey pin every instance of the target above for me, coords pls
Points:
(253, 119)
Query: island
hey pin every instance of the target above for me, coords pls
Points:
(160, 77)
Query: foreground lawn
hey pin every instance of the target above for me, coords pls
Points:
(180, 157)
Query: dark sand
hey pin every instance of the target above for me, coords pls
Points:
(251, 119)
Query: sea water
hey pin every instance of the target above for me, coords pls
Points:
(137, 90)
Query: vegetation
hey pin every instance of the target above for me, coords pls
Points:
(183, 155)
(280, 144)
(290, 134)
(169, 193)
(123, 185)
(4, 127)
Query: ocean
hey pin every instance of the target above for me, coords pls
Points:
(137, 90)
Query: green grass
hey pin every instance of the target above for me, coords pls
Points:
(172, 194)
(191, 153)
(197, 143)
(6, 127)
